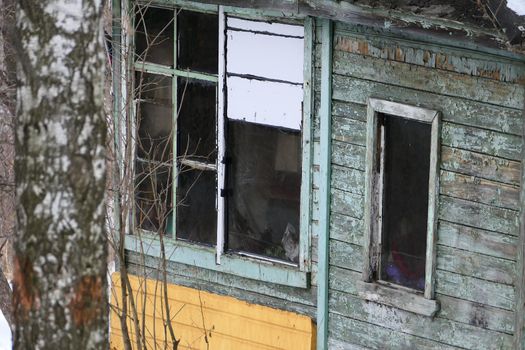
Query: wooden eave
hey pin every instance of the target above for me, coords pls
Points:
(401, 22)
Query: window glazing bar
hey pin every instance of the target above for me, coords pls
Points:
(221, 141)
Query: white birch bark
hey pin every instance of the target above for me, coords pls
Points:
(60, 252)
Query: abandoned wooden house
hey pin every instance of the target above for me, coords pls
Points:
(323, 174)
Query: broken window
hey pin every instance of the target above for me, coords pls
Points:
(219, 116)
(264, 80)
(402, 187)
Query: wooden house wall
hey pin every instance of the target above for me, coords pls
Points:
(481, 99)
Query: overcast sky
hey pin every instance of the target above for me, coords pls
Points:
(517, 5)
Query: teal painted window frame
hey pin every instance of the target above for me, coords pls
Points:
(206, 257)
(378, 290)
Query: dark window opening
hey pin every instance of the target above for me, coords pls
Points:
(196, 122)
(264, 178)
(196, 214)
(154, 35)
(198, 42)
(153, 197)
(406, 163)
(154, 117)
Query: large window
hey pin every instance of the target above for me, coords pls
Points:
(219, 118)
(401, 199)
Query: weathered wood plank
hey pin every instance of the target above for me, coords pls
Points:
(397, 298)
(474, 289)
(479, 190)
(453, 109)
(431, 56)
(296, 300)
(476, 265)
(349, 110)
(343, 178)
(316, 153)
(344, 280)
(349, 130)
(430, 80)
(314, 251)
(519, 336)
(477, 240)
(454, 309)
(346, 255)
(334, 344)
(438, 329)
(475, 314)
(347, 203)
(349, 155)
(478, 215)
(480, 165)
(341, 202)
(377, 337)
(480, 140)
(348, 179)
(346, 228)
(344, 109)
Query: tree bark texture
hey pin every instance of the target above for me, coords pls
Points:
(60, 297)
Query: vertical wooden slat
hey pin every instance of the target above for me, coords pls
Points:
(306, 177)
(519, 335)
(175, 112)
(433, 194)
(221, 138)
(325, 165)
(371, 135)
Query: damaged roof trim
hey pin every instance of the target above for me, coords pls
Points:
(402, 21)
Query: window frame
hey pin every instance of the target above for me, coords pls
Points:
(375, 289)
(214, 257)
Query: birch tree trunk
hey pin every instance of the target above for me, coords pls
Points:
(60, 289)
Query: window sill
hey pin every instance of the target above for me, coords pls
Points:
(398, 297)
(204, 257)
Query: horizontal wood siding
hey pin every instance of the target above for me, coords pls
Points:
(480, 98)
(203, 320)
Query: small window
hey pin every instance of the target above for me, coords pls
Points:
(403, 168)
(401, 194)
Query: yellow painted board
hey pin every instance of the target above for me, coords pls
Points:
(203, 320)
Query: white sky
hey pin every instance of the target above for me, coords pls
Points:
(517, 6)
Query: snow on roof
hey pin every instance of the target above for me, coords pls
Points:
(517, 6)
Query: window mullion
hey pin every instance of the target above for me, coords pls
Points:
(221, 141)
(175, 112)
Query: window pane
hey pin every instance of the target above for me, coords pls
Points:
(198, 36)
(405, 201)
(265, 55)
(196, 120)
(290, 30)
(154, 117)
(154, 35)
(196, 214)
(265, 102)
(153, 197)
(265, 179)
(153, 88)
